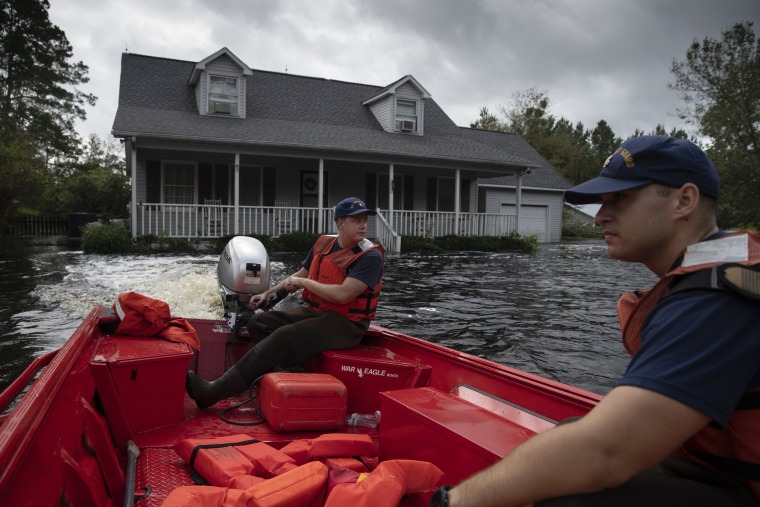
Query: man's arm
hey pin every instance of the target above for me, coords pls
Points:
(258, 299)
(339, 294)
(630, 430)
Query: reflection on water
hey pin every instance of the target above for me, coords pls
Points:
(552, 313)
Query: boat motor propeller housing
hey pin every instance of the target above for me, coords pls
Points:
(242, 272)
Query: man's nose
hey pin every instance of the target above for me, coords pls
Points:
(602, 216)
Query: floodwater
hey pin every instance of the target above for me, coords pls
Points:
(551, 313)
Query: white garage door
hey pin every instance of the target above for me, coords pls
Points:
(533, 220)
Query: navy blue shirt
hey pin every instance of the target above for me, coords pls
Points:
(700, 347)
(368, 268)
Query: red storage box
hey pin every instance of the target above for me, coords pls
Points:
(141, 382)
(367, 370)
(302, 401)
(460, 437)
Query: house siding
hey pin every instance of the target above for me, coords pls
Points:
(382, 112)
(409, 92)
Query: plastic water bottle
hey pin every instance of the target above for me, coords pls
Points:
(364, 420)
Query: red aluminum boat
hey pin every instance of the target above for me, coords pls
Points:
(100, 423)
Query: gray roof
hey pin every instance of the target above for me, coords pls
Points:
(543, 175)
(289, 112)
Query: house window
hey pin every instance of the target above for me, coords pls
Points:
(446, 193)
(250, 185)
(223, 95)
(179, 183)
(406, 115)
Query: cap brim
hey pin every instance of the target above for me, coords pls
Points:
(359, 212)
(591, 191)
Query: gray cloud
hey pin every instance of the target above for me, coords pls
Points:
(596, 59)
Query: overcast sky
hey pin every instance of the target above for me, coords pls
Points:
(596, 59)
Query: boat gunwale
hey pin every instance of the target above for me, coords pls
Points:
(22, 423)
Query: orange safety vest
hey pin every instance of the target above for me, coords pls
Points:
(331, 268)
(735, 449)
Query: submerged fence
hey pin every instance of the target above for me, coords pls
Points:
(37, 226)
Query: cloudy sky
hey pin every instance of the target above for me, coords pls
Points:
(596, 59)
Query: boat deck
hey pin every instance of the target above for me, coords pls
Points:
(160, 468)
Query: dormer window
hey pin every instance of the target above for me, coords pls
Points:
(223, 95)
(406, 115)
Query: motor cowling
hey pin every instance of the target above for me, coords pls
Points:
(242, 272)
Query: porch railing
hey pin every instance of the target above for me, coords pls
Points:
(438, 223)
(213, 221)
(386, 236)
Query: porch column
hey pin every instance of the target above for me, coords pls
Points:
(391, 184)
(132, 145)
(237, 193)
(320, 195)
(518, 199)
(457, 201)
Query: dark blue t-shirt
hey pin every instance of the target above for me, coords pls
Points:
(368, 268)
(700, 347)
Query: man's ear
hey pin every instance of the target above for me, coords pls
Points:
(688, 200)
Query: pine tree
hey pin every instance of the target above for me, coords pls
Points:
(38, 94)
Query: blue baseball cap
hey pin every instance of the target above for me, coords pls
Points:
(642, 160)
(351, 206)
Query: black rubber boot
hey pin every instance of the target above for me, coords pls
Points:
(206, 393)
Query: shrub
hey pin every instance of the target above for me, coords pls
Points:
(292, 242)
(512, 242)
(106, 238)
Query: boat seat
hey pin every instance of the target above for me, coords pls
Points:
(367, 370)
(456, 429)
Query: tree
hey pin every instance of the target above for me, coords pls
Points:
(38, 82)
(488, 121)
(528, 115)
(603, 142)
(97, 183)
(719, 81)
(22, 173)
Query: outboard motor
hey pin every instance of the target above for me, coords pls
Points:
(242, 272)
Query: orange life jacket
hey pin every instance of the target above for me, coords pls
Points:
(330, 445)
(386, 485)
(735, 449)
(331, 268)
(304, 486)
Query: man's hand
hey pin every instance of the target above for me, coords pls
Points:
(258, 300)
(293, 283)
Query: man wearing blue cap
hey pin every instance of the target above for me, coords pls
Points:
(682, 427)
(341, 279)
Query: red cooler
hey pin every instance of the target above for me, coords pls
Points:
(368, 370)
(141, 381)
(302, 401)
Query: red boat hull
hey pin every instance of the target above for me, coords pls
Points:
(65, 442)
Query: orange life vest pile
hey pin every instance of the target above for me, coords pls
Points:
(144, 316)
(324, 471)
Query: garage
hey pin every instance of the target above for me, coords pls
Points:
(533, 219)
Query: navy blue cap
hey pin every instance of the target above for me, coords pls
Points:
(642, 160)
(351, 206)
